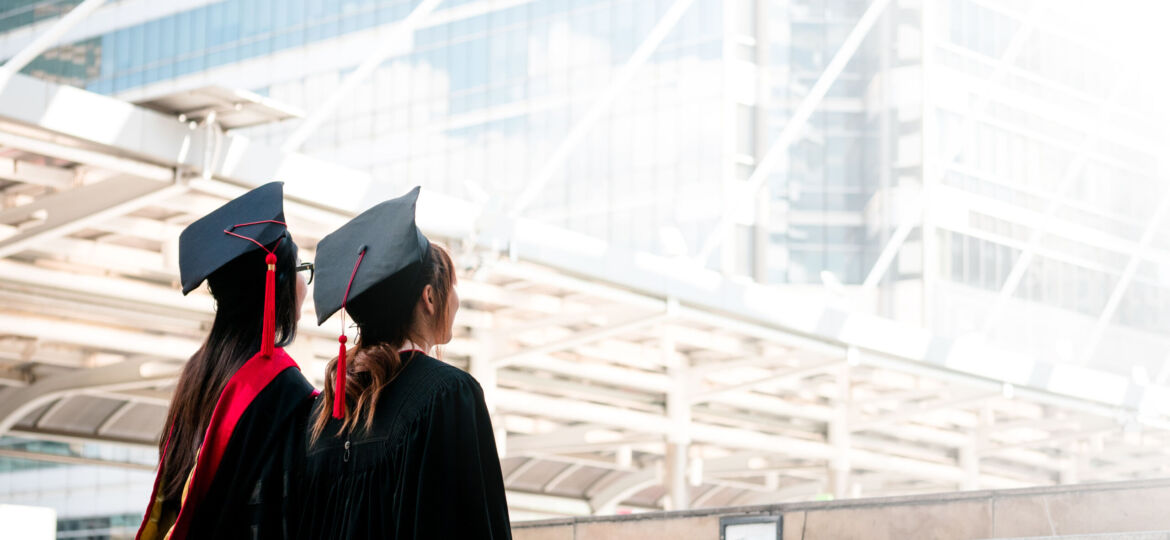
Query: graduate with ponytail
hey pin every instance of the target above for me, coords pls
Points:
(400, 445)
(236, 419)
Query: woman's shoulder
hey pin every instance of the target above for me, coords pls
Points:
(425, 376)
(424, 386)
(421, 386)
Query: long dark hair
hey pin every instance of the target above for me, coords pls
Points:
(238, 289)
(385, 316)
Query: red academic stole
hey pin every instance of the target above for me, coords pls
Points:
(238, 394)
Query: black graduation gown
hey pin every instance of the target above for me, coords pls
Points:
(243, 492)
(251, 487)
(428, 468)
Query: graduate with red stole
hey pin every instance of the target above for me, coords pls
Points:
(236, 421)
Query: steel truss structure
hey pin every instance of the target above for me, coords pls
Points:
(617, 380)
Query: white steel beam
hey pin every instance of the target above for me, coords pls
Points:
(158, 398)
(98, 337)
(399, 41)
(762, 362)
(69, 253)
(47, 39)
(697, 338)
(761, 331)
(607, 391)
(114, 417)
(50, 412)
(578, 339)
(760, 403)
(909, 220)
(561, 476)
(547, 504)
(72, 460)
(521, 402)
(794, 373)
(1154, 465)
(1164, 373)
(32, 173)
(948, 199)
(706, 496)
(102, 132)
(863, 424)
(509, 328)
(587, 459)
(778, 151)
(621, 79)
(1056, 439)
(562, 438)
(601, 373)
(26, 351)
(583, 285)
(606, 501)
(520, 469)
(77, 438)
(803, 490)
(88, 157)
(499, 296)
(68, 211)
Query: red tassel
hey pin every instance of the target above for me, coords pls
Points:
(268, 333)
(339, 387)
(339, 393)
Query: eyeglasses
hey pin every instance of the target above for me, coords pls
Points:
(307, 266)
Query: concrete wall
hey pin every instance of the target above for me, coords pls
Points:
(1047, 511)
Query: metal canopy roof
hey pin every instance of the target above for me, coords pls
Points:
(232, 108)
(594, 361)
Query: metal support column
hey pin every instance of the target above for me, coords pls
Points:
(678, 439)
(486, 372)
(839, 437)
(969, 453)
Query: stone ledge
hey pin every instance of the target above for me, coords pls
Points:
(1071, 511)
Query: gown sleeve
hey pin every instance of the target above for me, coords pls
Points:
(458, 491)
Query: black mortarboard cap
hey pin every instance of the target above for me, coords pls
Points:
(247, 223)
(391, 241)
(204, 246)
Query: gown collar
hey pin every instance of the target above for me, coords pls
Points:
(410, 346)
